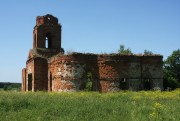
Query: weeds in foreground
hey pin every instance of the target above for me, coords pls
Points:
(88, 106)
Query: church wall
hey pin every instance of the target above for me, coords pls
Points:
(114, 68)
(40, 37)
(152, 70)
(40, 74)
(69, 72)
(23, 86)
(30, 75)
(152, 67)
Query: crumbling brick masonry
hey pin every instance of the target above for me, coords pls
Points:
(48, 68)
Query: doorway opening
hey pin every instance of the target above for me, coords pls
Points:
(147, 84)
(123, 84)
(50, 83)
(30, 82)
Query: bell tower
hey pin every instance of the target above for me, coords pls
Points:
(46, 44)
(47, 33)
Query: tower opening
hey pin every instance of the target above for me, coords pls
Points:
(48, 41)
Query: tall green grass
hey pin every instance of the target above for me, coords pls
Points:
(90, 106)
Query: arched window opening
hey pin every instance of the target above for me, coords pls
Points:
(48, 41)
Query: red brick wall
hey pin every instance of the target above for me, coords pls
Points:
(30, 70)
(69, 72)
(40, 74)
(23, 79)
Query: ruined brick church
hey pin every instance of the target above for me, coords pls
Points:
(48, 68)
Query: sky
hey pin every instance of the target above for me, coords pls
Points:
(90, 26)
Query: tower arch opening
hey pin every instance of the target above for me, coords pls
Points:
(48, 41)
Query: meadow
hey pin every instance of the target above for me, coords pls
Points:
(90, 106)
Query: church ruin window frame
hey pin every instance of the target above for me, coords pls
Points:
(48, 41)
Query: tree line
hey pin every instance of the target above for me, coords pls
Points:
(10, 86)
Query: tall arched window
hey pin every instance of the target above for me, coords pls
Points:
(48, 41)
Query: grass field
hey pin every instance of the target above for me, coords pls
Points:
(90, 106)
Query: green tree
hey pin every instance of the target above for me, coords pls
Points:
(172, 70)
(122, 50)
(147, 52)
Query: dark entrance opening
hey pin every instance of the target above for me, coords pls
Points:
(29, 82)
(50, 81)
(147, 84)
(123, 84)
(48, 41)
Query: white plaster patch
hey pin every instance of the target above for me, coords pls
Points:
(59, 71)
(114, 87)
(76, 71)
(65, 84)
(67, 90)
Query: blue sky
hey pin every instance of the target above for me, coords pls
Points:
(96, 26)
